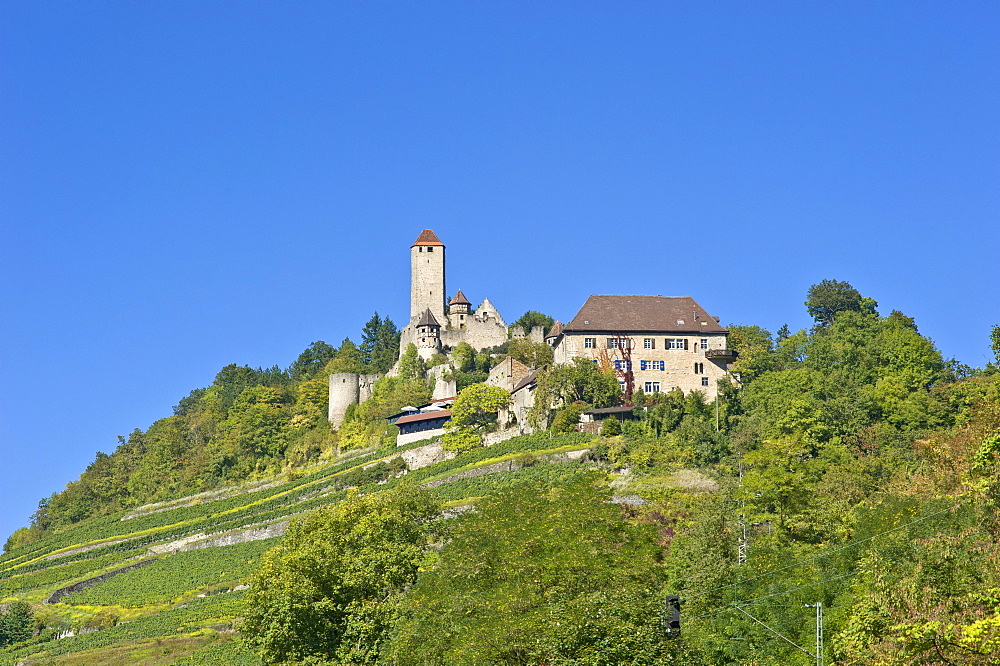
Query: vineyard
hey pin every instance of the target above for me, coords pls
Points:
(184, 603)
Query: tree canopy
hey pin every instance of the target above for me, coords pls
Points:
(330, 590)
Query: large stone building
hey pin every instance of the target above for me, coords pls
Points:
(666, 342)
(437, 324)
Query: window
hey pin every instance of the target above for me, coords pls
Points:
(649, 343)
(612, 343)
(621, 385)
(652, 387)
(699, 368)
(659, 365)
(677, 343)
(643, 364)
(589, 343)
(704, 381)
(623, 365)
(651, 365)
(430, 249)
(704, 343)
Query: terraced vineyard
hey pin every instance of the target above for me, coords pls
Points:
(178, 599)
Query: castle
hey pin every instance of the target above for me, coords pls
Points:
(676, 342)
(438, 324)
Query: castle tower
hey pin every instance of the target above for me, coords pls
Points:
(427, 277)
(458, 309)
(428, 335)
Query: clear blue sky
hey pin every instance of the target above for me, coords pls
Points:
(185, 185)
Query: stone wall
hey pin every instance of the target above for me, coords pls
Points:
(346, 389)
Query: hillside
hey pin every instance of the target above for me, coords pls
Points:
(853, 467)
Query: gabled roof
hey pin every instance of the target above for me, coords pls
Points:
(529, 379)
(622, 314)
(427, 237)
(556, 331)
(459, 299)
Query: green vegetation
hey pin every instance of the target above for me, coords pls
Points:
(850, 464)
(329, 590)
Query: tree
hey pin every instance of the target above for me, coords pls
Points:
(379, 344)
(532, 318)
(995, 343)
(532, 354)
(17, 623)
(329, 591)
(312, 361)
(540, 575)
(464, 357)
(411, 366)
(826, 300)
(756, 351)
(579, 381)
(474, 413)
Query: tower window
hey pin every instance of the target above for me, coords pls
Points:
(430, 249)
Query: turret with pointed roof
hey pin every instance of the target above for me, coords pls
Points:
(459, 305)
(428, 335)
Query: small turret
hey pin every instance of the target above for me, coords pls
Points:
(428, 335)
(459, 309)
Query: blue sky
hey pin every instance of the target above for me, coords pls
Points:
(185, 185)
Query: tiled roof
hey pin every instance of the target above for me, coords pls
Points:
(428, 319)
(556, 330)
(530, 378)
(427, 237)
(425, 416)
(622, 314)
(459, 299)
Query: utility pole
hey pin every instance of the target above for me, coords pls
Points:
(743, 545)
(819, 631)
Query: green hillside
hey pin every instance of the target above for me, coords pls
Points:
(853, 466)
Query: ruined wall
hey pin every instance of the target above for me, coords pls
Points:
(346, 389)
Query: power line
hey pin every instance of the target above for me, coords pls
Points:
(754, 600)
(821, 555)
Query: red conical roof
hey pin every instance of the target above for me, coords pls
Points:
(427, 237)
(459, 299)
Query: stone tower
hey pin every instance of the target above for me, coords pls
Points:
(427, 277)
(428, 335)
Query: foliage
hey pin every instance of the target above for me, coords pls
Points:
(532, 354)
(579, 381)
(329, 590)
(17, 623)
(312, 361)
(474, 413)
(995, 343)
(611, 427)
(464, 357)
(379, 344)
(826, 300)
(411, 366)
(532, 318)
(539, 574)
(173, 576)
